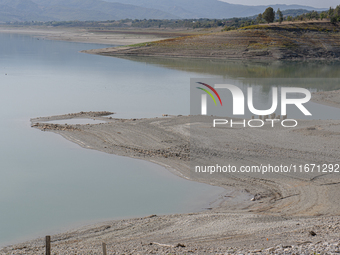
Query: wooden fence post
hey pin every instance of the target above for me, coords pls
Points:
(48, 245)
(104, 249)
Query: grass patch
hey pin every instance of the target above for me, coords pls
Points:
(254, 27)
(292, 27)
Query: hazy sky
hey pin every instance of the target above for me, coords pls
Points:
(314, 3)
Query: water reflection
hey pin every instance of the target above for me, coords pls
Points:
(249, 72)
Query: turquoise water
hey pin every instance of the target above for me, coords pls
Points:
(49, 184)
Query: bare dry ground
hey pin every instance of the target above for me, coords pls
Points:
(310, 40)
(118, 36)
(330, 98)
(112, 37)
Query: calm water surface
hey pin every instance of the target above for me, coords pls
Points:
(48, 184)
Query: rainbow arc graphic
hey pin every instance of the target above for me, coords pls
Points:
(209, 93)
(204, 97)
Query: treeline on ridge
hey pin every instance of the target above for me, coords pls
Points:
(269, 16)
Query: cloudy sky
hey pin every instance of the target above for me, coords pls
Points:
(314, 3)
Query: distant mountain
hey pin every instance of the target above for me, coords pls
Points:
(208, 8)
(294, 13)
(48, 10)
(45, 10)
(289, 12)
(20, 10)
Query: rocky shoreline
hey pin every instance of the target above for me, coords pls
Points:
(246, 234)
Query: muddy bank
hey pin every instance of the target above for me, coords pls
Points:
(85, 36)
(330, 98)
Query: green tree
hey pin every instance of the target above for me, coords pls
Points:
(323, 15)
(315, 15)
(337, 11)
(289, 18)
(334, 20)
(259, 18)
(269, 15)
(279, 13)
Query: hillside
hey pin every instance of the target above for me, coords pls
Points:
(208, 8)
(46, 10)
(66, 10)
(313, 40)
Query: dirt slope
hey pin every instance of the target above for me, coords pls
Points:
(314, 40)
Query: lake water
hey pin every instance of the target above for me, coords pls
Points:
(49, 184)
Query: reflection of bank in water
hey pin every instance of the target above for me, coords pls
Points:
(317, 75)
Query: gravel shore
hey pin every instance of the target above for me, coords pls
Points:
(201, 233)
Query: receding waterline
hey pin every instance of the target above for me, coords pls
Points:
(76, 121)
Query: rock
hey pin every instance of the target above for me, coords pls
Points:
(256, 197)
(312, 233)
(271, 249)
(180, 245)
(150, 216)
(256, 251)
